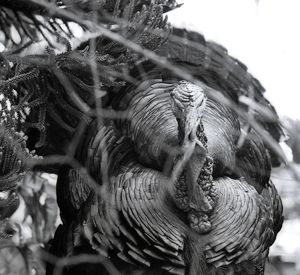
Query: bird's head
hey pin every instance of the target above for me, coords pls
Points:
(188, 104)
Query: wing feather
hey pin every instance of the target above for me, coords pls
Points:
(243, 227)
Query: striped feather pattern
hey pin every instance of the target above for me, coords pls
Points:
(137, 219)
(150, 122)
(242, 226)
(139, 226)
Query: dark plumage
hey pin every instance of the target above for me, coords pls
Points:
(173, 186)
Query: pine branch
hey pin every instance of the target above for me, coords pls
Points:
(29, 21)
(35, 20)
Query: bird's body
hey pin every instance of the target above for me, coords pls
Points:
(145, 217)
(173, 188)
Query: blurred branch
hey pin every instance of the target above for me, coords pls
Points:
(60, 263)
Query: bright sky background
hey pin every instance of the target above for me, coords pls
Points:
(265, 36)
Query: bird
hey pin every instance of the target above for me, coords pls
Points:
(181, 183)
(180, 194)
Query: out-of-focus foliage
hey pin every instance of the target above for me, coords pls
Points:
(30, 227)
(292, 127)
(285, 254)
(12, 262)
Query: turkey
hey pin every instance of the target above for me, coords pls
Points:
(172, 187)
